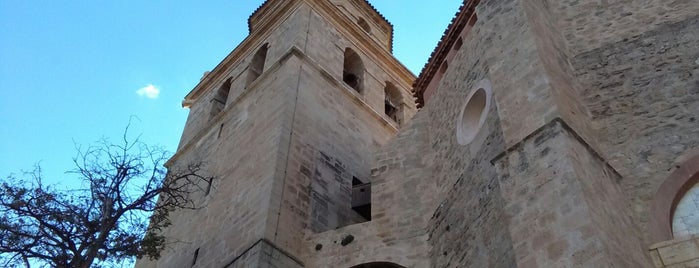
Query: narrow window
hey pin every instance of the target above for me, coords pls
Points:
(218, 102)
(392, 103)
(361, 198)
(365, 26)
(257, 65)
(353, 71)
(196, 256)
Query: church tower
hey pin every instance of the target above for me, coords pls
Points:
(287, 124)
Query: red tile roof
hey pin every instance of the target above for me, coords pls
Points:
(450, 36)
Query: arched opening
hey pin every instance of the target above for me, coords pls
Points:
(459, 43)
(353, 70)
(257, 65)
(378, 265)
(668, 219)
(393, 103)
(218, 102)
(365, 26)
(444, 67)
(685, 216)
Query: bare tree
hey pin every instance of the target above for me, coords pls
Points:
(105, 220)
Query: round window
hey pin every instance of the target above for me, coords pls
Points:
(473, 113)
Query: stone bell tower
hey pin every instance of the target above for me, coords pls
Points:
(287, 124)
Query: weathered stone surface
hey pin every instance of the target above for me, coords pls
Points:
(593, 105)
(644, 96)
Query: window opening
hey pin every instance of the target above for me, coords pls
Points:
(210, 181)
(392, 102)
(353, 70)
(444, 67)
(257, 65)
(218, 103)
(361, 198)
(473, 113)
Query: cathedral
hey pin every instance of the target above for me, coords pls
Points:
(540, 133)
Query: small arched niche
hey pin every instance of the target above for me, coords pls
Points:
(218, 102)
(393, 103)
(365, 26)
(257, 65)
(459, 42)
(473, 112)
(353, 70)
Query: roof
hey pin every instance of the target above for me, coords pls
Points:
(450, 36)
(365, 1)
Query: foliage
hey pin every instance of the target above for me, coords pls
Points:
(103, 221)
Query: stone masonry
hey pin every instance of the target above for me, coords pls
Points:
(550, 134)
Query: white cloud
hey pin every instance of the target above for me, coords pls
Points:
(149, 91)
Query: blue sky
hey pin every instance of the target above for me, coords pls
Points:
(72, 72)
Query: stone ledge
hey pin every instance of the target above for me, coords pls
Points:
(558, 121)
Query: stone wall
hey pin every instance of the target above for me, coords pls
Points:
(332, 137)
(279, 40)
(565, 205)
(685, 219)
(588, 25)
(643, 94)
(243, 156)
(402, 203)
(468, 227)
(264, 254)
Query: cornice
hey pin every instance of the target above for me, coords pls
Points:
(245, 47)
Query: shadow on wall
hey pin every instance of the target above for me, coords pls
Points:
(378, 265)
